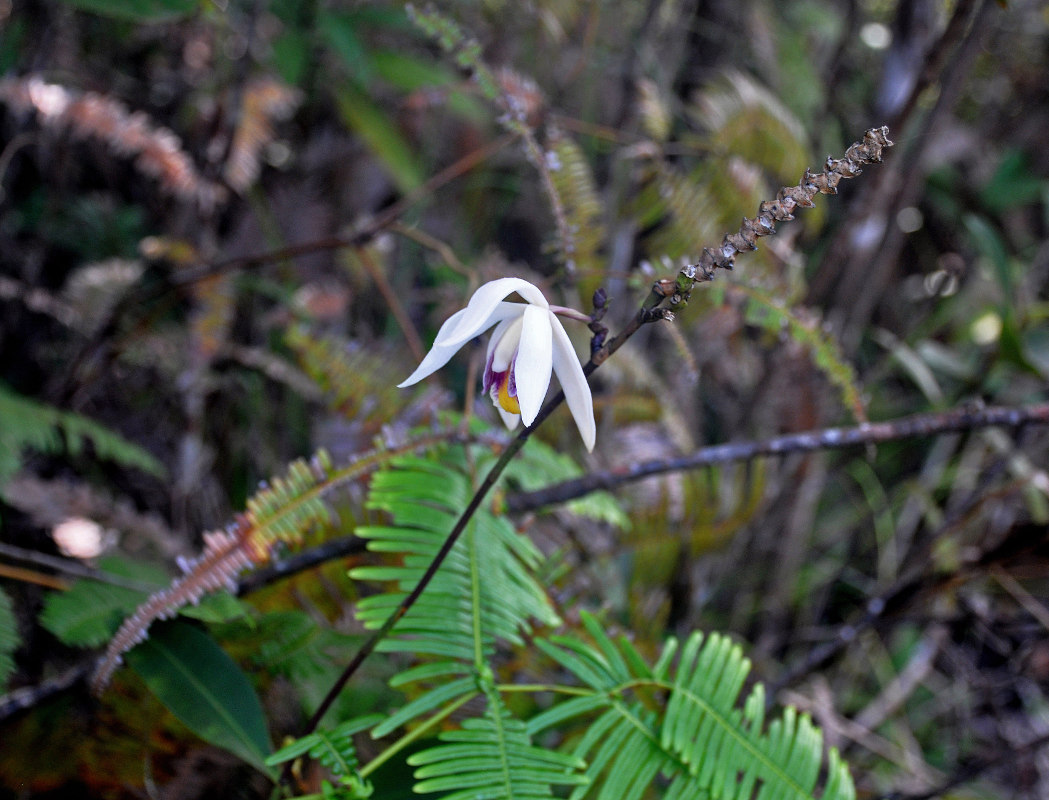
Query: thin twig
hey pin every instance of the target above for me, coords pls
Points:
(393, 302)
(73, 568)
(363, 234)
(405, 604)
(29, 696)
(300, 562)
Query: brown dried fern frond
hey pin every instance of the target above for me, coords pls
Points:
(265, 101)
(280, 513)
(156, 150)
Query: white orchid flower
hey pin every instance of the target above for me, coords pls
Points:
(527, 343)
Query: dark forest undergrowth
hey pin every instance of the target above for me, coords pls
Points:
(807, 554)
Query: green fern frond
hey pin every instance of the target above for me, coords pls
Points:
(485, 592)
(493, 757)
(9, 638)
(803, 326)
(285, 509)
(656, 119)
(355, 380)
(463, 48)
(684, 209)
(335, 751)
(574, 181)
(29, 424)
(515, 96)
(701, 740)
(89, 613)
(746, 119)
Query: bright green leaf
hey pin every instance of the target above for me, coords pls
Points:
(381, 135)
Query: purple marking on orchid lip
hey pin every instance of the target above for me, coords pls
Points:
(489, 376)
(511, 385)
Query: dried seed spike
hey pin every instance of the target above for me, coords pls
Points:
(827, 182)
(848, 168)
(808, 184)
(787, 202)
(790, 197)
(707, 262)
(740, 242)
(800, 195)
(874, 140)
(776, 209)
(719, 260)
(749, 232)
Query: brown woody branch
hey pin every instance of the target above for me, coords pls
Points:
(912, 427)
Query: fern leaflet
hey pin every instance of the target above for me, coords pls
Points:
(281, 512)
(702, 742)
(28, 423)
(493, 757)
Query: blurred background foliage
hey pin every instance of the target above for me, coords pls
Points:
(228, 229)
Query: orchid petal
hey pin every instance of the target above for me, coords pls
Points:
(485, 302)
(439, 354)
(499, 333)
(505, 341)
(529, 341)
(510, 420)
(458, 329)
(443, 350)
(573, 383)
(533, 363)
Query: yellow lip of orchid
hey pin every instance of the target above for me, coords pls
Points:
(528, 344)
